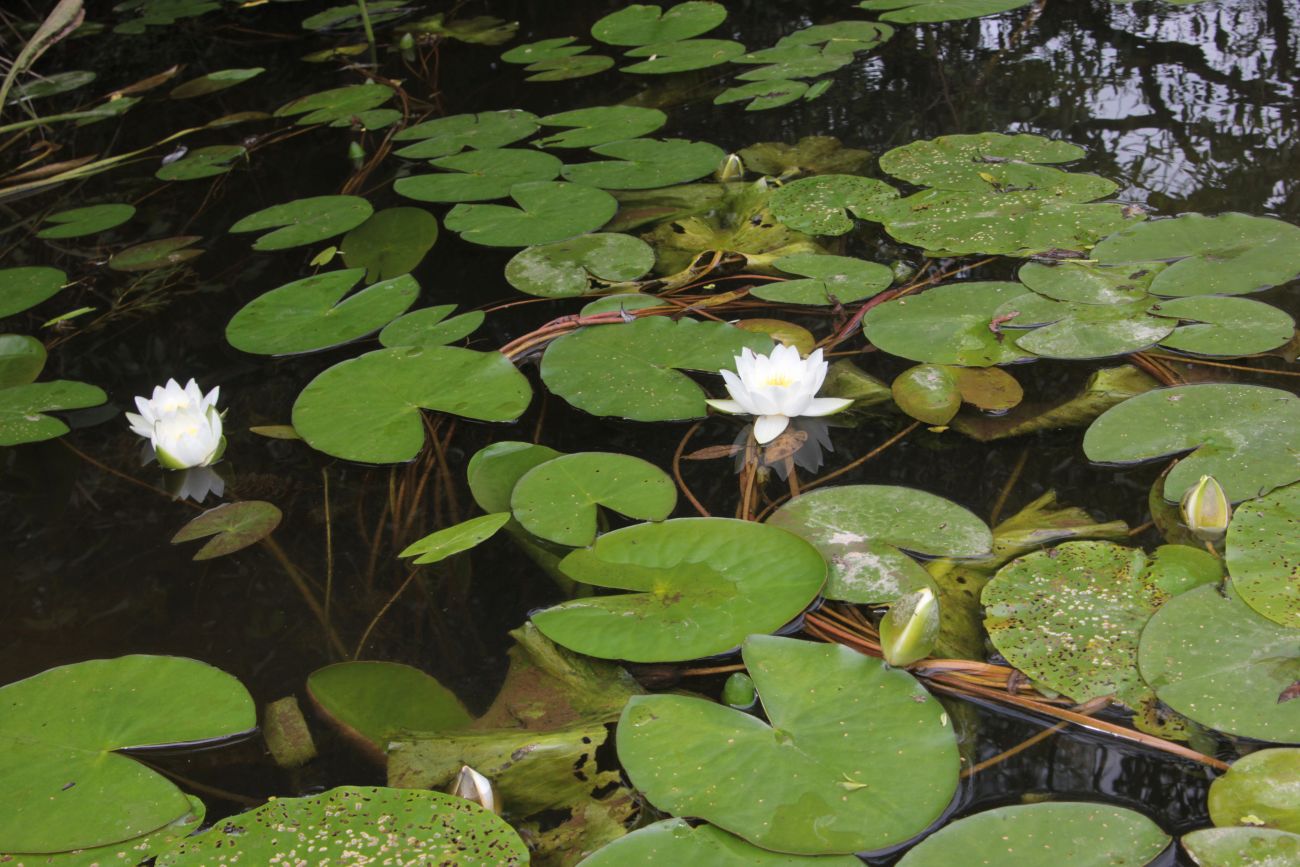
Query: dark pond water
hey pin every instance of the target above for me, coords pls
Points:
(1188, 108)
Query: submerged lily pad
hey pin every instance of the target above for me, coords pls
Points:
(449, 135)
(699, 586)
(548, 211)
(632, 369)
(589, 127)
(23, 408)
(915, 11)
(21, 288)
(575, 267)
(390, 242)
(813, 154)
(430, 326)
(1261, 789)
(151, 255)
(79, 222)
(1263, 556)
(476, 176)
(817, 205)
(368, 408)
(1229, 326)
(65, 725)
(673, 841)
(234, 527)
(1246, 436)
(862, 531)
(1074, 330)
(854, 755)
(557, 500)
(311, 314)
(1053, 832)
(338, 103)
(202, 163)
(1243, 847)
(950, 324)
(359, 824)
(663, 58)
(828, 280)
(640, 24)
(1212, 658)
(642, 164)
(305, 221)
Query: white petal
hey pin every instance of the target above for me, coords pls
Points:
(769, 427)
(766, 399)
(816, 371)
(139, 425)
(728, 406)
(211, 398)
(827, 405)
(736, 388)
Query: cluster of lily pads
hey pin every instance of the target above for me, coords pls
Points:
(818, 751)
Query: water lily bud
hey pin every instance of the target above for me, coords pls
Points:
(909, 630)
(739, 691)
(473, 786)
(406, 45)
(357, 155)
(732, 169)
(1206, 510)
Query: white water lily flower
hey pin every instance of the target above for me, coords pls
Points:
(777, 388)
(169, 398)
(182, 425)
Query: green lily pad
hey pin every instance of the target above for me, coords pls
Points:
(699, 586)
(1070, 616)
(390, 242)
(640, 24)
(305, 221)
(1032, 835)
(311, 314)
(444, 543)
(368, 408)
(79, 222)
(430, 326)
(673, 841)
(476, 176)
(372, 702)
(786, 62)
(360, 824)
(915, 11)
(22, 409)
(663, 58)
(1228, 326)
(829, 280)
(557, 500)
(137, 850)
(52, 85)
(495, 469)
(1088, 282)
(862, 531)
(1242, 847)
(949, 324)
(235, 526)
(565, 68)
(348, 16)
(1246, 436)
(25, 287)
(449, 135)
(990, 162)
(1073, 330)
(589, 127)
(817, 205)
(856, 755)
(928, 393)
(338, 103)
(64, 726)
(1261, 789)
(843, 36)
(202, 163)
(548, 211)
(151, 255)
(214, 82)
(567, 269)
(556, 48)
(1263, 556)
(1230, 254)
(813, 154)
(642, 164)
(22, 358)
(632, 369)
(1213, 659)
(763, 95)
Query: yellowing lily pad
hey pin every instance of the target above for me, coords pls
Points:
(1243, 847)
(22, 358)
(1263, 556)
(1261, 789)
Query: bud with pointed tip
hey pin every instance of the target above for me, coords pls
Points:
(473, 786)
(1206, 510)
(732, 169)
(908, 631)
(356, 155)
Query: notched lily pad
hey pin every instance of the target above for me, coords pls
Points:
(152, 255)
(214, 82)
(640, 24)
(430, 326)
(477, 176)
(916, 11)
(1214, 325)
(548, 211)
(642, 164)
(305, 221)
(79, 222)
(235, 526)
(202, 163)
(828, 280)
(449, 135)
(338, 103)
(589, 127)
(1075, 330)
(390, 243)
(663, 58)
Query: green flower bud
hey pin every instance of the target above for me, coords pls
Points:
(909, 630)
(732, 169)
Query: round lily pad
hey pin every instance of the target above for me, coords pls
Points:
(214, 82)
(548, 211)
(361, 825)
(663, 58)
(928, 393)
(1073, 330)
(641, 24)
(441, 544)
(1261, 789)
(1243, 847)
(642, 164)
(79, 222)
(476, 176)
(311, 314)
(151, 255)
(450, 135)
(1246, 436)
(368, 408)
(372, 702)
(854, 755)
(828, 280)
(21, 288)
(916, 11)
(950, 324)
(1230, 254)
(430, 326)
(305, 221)
(673, 841)
(990, 162)
(22, 358)
(862, 531)
(575, 267)
(817, 205)
(1034, 835)
(632, 369)
(1263, 555)
(338, 103)
(1088, 282)
(23, 408)
(1228, 326)
(1212, 658)
(233, 526)
(64, 726)
(589, 127)
(698, 587)
(557, 500)
(390, 242)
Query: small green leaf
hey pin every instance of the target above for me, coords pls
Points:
(79, 222)
(452, 540)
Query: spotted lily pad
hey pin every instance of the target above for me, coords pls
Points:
(854, 755)
(1087, 282)
(476, 176)
(697, 586)
(66, 786)
(152, 255)
(339, 103)
(1230, 254)
(673, 841)
(632, 369)
(202, 163)
(548, 211)
(1243, 847)
(1263, 556)
(817, 205)
(137, 850)
(640, 24)
(390, 242)
(214, 82)
(862, 531)
(24, 287)
(311, 314)
(827, 280)
(368, 408)
(589, 127)
(1212, 658)
(1246, 436)
(663, 58)
(360, 824)
(991, 162)
(1052, 832)
(578, 266)
(642, 164)
(430, 326)
(234, 527)
(305, 221)
(1261, 789)
(914, 11)
(79, 222)
(950, 324)
(1215, 325)
(557, 500)
(450, 135)
(1073, 330)
(1070, 617)
(23, 408)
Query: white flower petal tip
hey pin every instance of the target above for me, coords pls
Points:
(819, 406)
(769, 427)
(730, 407)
